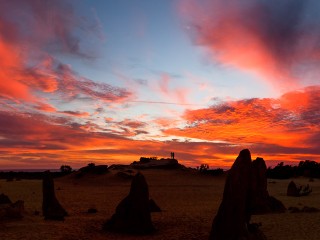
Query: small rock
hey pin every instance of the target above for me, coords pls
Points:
(292, 190)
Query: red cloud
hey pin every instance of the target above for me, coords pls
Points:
(45, 107)
(164, 83)
(133, 123)
(176, 95)
(278, 40)
(31, 32)
(10, 85)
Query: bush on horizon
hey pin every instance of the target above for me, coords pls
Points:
(307, 168)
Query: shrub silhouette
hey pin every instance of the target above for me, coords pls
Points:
(204, 167)
(65, 169)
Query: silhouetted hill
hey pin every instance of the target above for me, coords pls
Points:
(153, 162)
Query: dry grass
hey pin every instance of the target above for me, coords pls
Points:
(189, 202)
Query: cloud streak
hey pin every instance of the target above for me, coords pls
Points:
(71, 86)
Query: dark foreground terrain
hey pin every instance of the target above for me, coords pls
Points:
(188, 200)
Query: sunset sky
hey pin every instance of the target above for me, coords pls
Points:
(108, 81)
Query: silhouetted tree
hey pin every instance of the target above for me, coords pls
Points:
(306, 168)
(91, 165)
(65, 169)
(204, 167)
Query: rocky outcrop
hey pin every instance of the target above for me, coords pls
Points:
(261, 201)
(232, 221)
(295, 191)
(233, 215)
(9, 210)
(154, 163)
(133, 212)
(51, 208)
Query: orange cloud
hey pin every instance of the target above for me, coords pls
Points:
(277, 129)
(288, 122)
(54, 141)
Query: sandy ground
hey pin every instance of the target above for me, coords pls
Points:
(189, 202)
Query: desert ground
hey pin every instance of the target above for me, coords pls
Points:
(188, 200)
